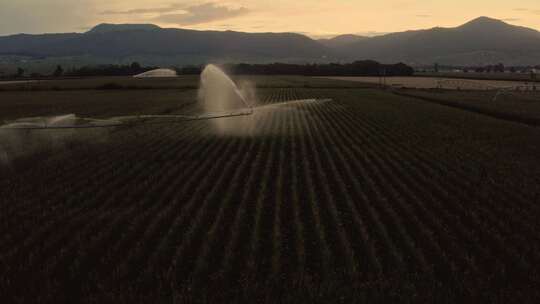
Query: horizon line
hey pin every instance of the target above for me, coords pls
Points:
(314, 36)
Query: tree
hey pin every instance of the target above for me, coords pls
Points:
(135, 66)
(59, 71)
(20, 72)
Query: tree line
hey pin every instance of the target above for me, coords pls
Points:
(357, 68)
(110, 70)
(85, 71)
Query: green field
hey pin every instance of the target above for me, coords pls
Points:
(483, 76)
(370, 197)
(518, 106)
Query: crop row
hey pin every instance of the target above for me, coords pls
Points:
(311, 190)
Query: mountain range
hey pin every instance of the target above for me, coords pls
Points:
(479, 42)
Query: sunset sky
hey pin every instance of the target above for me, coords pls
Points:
(312, 17)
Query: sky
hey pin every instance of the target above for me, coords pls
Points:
(315, 18)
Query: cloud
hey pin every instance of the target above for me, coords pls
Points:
(202, 13)
(372, 33)
(52, 16)
(511, 19)
(150, 10)
(528, 10)
(182, 14)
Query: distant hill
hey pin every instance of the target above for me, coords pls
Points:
(106, 28)
(341, 41)
(150, 43)
(479, 42)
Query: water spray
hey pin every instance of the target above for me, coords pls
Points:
(217, 91)
(218, 94)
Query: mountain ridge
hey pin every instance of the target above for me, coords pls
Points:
(341, 40)
(461, 45)
(109, 27)
(480, 41)
(124, 40)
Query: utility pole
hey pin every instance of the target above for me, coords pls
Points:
(382, 77)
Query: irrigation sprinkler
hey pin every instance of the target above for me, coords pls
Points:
(220, 98)
(74, 122)
(91, 123)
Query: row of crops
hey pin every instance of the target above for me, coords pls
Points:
(365, 195)
(513, 105)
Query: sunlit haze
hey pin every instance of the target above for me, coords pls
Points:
(314, 18)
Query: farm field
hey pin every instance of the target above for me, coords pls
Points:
(483, 76)
(518, 106)
(15, 82)
(369, 196)
(433, 82)
(180, 82)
